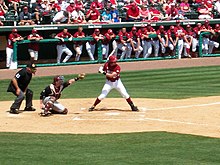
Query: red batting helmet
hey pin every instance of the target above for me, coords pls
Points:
(58, 78)
(14, 30)
(217, 26)
(161, 27)
(34, 31)
(112, 58)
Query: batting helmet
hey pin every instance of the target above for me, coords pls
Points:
(188, 26)
(58, 78)
(97, 30)
(112, 58)
(15, 30)
(161, 27)
(217, 26)
(206, 21)
(34, 31)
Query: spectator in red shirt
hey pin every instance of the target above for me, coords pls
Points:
(78, 45)
(79, 4)
(93, 14)
(133, 13)
(98, 5)
(155, 14)
(204, 12)
(33, 47)
(172, 12)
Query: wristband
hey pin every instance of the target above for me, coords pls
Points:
(76, 79)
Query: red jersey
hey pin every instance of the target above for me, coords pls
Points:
(94, 15)
(142, 32)
(63, 35)
(94, 35)
(11, 37)
(110, 69)
(134, 36)
(98, 5)
(34, 45)
(77, 35)
(122, 35)
(107, 39)
(197, 31)
(173, 34)
(189, 34)
(179, 30)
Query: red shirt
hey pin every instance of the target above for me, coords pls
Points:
(141, 32)
(172, 33)
(107, 39)
(134, 36)
(94, 15)
(98, 5)
(133, 13)
(122, 35)
(179, 30)
(11, 37)
(77, 35)
(110, 69)
(154, 11)
(70, 8)
(35, 45)
(63, 35)
(172, 12)
(95, 40)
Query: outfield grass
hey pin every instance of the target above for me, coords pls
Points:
(162, 83)
(111, 149)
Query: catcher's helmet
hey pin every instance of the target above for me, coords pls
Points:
(58, 78)
(112, 58)
(15, 30)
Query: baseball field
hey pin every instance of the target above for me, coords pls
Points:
(178, 121)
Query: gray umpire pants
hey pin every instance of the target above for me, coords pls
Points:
(20, 98)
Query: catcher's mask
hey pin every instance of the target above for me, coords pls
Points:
(58, 78)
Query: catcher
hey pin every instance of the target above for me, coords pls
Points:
(50, 95)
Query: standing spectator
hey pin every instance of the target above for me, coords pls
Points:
(78, 16)
(133, 13)
(108, 37)
(106, 16)
(25, 17)
(124, 43)
(112, 70)
(61, 47)
(90, 45)
(78, 45)
(33, 47)
(19, 87)
(173, 39)
(115, 14)
(12, 38)
(93, 14)
(135, 42)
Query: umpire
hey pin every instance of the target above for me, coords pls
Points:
(19, 87)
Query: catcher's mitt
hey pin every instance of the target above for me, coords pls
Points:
(81, 76)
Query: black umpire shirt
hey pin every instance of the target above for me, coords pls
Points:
(23, 78)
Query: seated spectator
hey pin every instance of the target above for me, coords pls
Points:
(144, 13)
(98, 5)
(15, 4)
(62, 4)
(78, 16)
(133, 13)
(204, 12)
(79, 3)
(217, 6)
(93, 14)
(172, 12)
(25, 17)
(184, 6)
(115, 14)
(155, 14)
(3, 10)
(61, 17)
(106, 16)
(71, 7)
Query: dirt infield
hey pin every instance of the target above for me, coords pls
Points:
(197, 116)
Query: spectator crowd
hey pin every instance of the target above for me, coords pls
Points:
(30, 12)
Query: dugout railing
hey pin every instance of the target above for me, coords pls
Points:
(99, 52)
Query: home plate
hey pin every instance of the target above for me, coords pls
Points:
(113, 113)
(77, 118)
(82, 109)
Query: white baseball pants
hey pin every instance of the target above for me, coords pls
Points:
(63, 49)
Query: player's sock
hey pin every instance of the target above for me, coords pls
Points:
(97, 102)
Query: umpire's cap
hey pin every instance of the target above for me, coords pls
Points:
(31, 66)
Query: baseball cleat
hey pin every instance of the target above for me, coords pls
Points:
(91, 108)
(29, 109)
(14, 111)
(134, 108)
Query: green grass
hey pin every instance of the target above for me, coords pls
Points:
(162, 83)
(110, 149)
